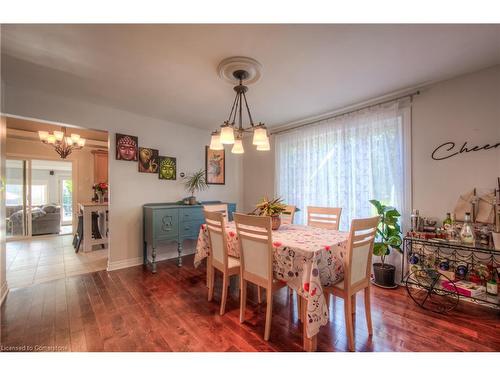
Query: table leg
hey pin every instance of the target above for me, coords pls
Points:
(87, 230)
(309, 344)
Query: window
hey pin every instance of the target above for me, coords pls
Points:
(13, 195)
(344, 162)
(39, 195)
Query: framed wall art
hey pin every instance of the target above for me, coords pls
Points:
(215, 166)
(148, 160)
(167, 168)
(126, 147)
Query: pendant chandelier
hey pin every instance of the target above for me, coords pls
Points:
(63, 144)
(232, 130)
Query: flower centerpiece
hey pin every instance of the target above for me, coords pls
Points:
(272, 208)
(100, 189)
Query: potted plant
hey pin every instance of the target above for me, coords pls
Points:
(272, 208)
(195, 182)
(388, 238)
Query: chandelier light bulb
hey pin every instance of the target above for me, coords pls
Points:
(69, 141)
(260, 136)
(215, 143)
(265, 146)
(238, 147)
(75, 137)
(81, 142)
(43, 135)
(227, 135)
(58, 136)
(51, 139)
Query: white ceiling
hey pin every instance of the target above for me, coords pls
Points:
(169, 71)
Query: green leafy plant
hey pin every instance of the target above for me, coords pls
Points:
(388, 231)
(268, 207)
(195, 182)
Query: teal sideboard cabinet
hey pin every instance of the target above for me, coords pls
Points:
(171, 222)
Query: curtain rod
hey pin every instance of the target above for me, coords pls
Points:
(410, 95)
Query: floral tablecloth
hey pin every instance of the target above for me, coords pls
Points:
(307, 258)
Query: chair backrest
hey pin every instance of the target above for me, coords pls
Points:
(217, 208)
(256, 256)
(324, 217)
(217, 238)
(358, 261)
(288, 214)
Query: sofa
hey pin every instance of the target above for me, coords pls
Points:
(45, 219)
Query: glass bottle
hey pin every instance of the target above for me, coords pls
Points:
(447, 222)
(467, 233)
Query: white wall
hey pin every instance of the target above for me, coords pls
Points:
(129, 190)
(466, 108)
(258, 174)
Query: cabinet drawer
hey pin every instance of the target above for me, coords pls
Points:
(190, 229)
(166, 223)
(191, 214)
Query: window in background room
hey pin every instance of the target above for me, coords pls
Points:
(345, 162)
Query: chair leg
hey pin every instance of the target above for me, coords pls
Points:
(269, 313)
(299, 307)
(327, 300)
(259, 296)
(353, 304)
(348, 322)
(243, 299)
(225, 285)
(211, 282)
(368, 311)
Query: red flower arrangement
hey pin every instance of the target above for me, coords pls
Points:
(101, 186)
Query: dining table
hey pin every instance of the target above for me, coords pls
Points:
(306, 258)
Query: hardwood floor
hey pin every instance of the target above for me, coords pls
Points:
(133, 310)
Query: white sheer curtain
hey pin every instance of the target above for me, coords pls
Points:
(343, 162)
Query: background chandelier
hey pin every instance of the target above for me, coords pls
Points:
(63, 144)
(232, 130)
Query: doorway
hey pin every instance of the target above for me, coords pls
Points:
(46, 193)
(39, 197)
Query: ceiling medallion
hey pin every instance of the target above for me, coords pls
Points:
(239, 70)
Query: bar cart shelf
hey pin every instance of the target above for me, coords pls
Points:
(435, 290)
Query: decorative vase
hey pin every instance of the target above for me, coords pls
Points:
(275, 222)
(192, 200)
(100, 196)
(384, 275)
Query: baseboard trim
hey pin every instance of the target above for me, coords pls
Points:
(4, 292)
(112, 266)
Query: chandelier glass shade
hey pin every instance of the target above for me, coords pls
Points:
(215, 143)
(234, 123)
(63, 145)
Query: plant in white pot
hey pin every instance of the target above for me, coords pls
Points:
(388, 238)
(195, 182)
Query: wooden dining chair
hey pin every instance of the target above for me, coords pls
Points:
(324, 217)
(218, 257)
(222, 208)
(288, 214)
(357, 270)
(256, 257)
